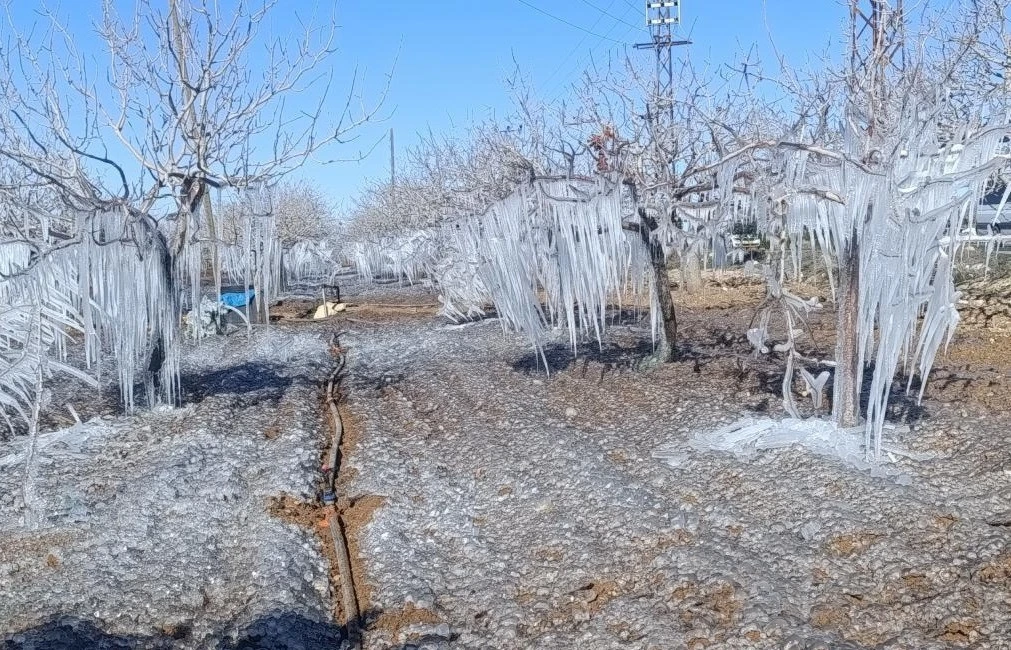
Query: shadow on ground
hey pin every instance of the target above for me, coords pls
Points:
(903, 406)
(279, 631)
(272, 632)
(260, 382)
(249, 383)
(560, 357)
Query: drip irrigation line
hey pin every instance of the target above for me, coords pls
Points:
(338, 534)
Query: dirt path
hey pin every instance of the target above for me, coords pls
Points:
(526, 511)
(164, 529)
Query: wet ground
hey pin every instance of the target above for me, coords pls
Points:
(494, 505)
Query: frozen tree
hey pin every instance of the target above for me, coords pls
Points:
(303, 212)
(119, 161)
(305, 225)
(393, 227)
(610, 148)
(666, 151)
(884, 197)
(182, 108)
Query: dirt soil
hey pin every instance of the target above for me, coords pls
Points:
(525, 510)
(488, 504)
(187, 527)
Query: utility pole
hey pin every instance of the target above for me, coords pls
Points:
(393, 163)
(661, 18)
(877, 48)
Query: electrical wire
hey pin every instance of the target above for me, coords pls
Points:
(573, 50)
(563, 86)
(609, 15)
(562, 20)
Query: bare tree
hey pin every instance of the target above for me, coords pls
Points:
(884, 195)
(193, 98)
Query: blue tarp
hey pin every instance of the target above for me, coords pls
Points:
(238, 299)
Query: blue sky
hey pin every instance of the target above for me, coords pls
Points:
(449, 58)
(455, 56)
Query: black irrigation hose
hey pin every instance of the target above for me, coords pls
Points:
(349, 599)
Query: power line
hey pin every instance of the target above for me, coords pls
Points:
(562, 86)
(574, 50)
(580, 61)
(579, 65)
(609, 15)
(562, 20)
(557, 90)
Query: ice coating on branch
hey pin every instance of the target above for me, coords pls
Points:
(311, 262)
(121, 286)
(37, 312)
(816, 385)
(127, 303)
(901, 214)
(561, 244)
(407, 257)
(551, 254)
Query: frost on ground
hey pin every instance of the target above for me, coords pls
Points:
(491, 506)
(748, 436)
(527, 511)
(158, 533)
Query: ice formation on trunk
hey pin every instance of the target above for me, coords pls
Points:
(553, 253)
(888, 228)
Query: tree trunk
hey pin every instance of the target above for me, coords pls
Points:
(667, 350)
(848, 373)
(691, 271)
(29, 491)
(159, 390)
(212, 229)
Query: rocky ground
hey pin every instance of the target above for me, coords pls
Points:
(523, 510)
(158, 532)
(491, 505)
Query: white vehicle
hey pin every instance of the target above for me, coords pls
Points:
(989, 219)
(991, 216)
(746, 242)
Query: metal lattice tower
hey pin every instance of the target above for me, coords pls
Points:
(878, 38)
(877, 58)
(661, 18)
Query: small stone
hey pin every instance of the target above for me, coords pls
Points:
(571, 412)
(809, 530)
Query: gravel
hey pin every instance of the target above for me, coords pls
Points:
(157, 532)
(525, 510)
(515, 509)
